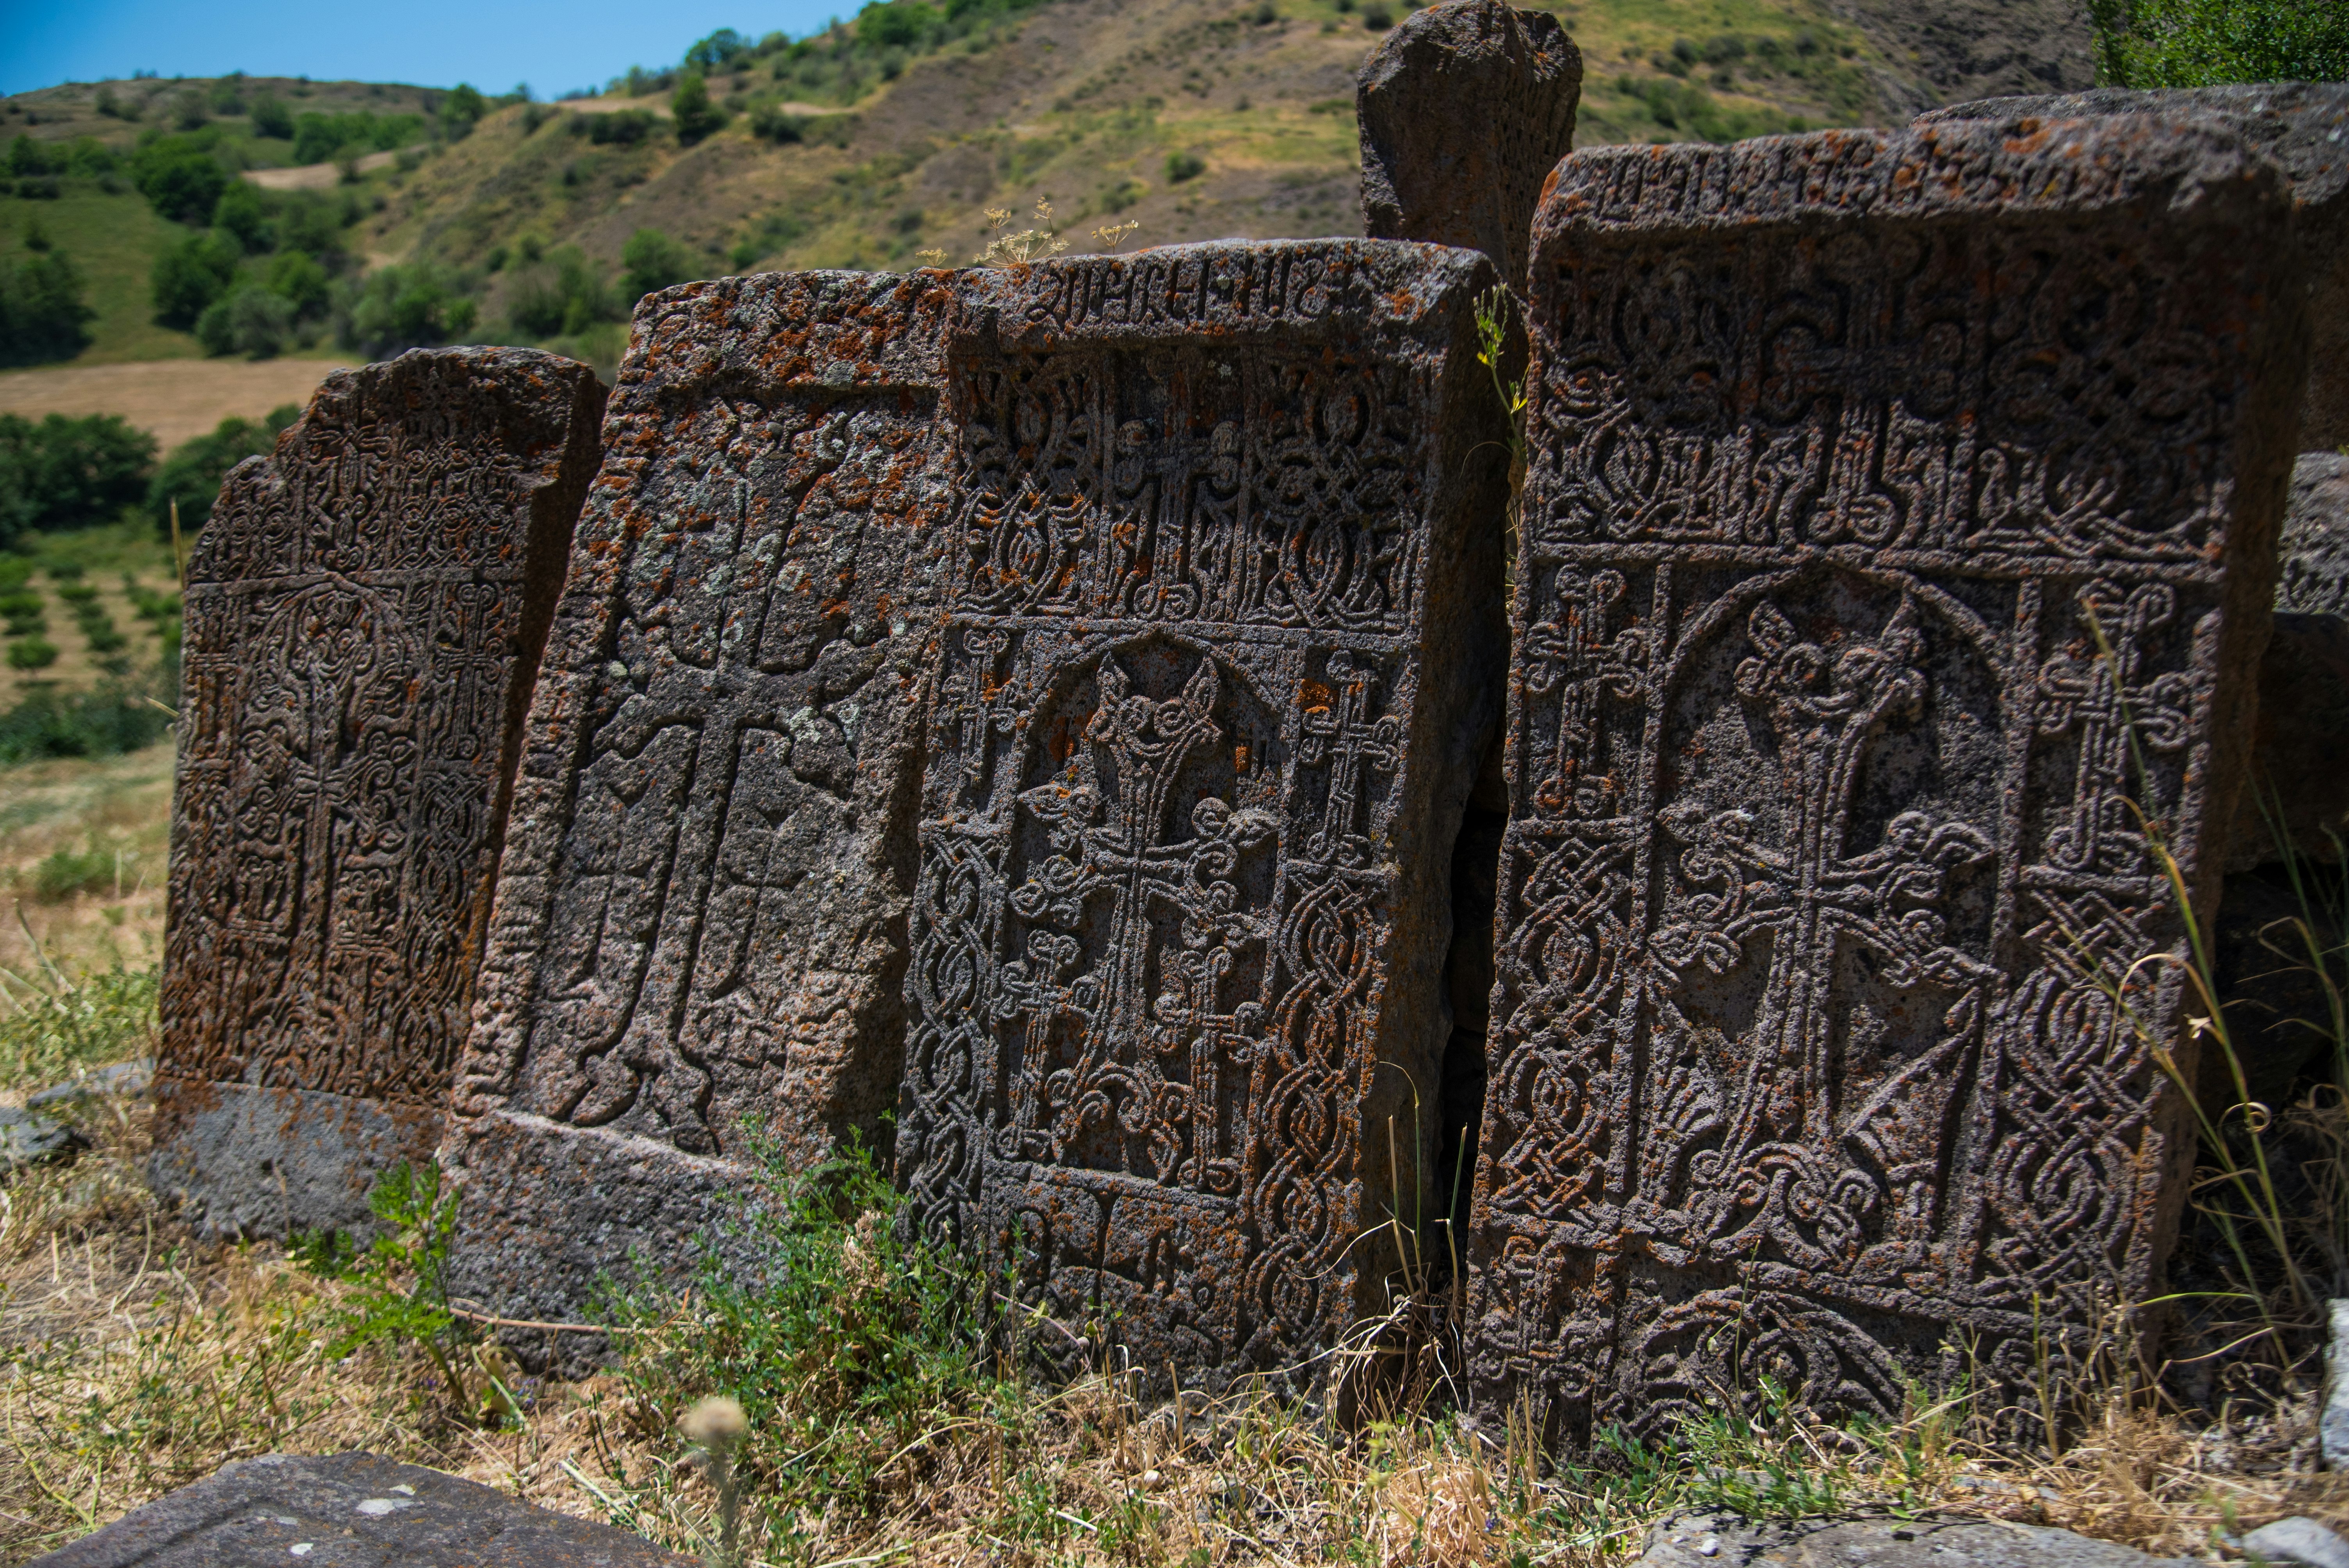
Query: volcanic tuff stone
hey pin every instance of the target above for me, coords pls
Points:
(2302, 127)
(1726, 1541)
(350, 1510)
(1848, 449)
(1221, 640)
(700, 923)
(2315, 555)
(1464, 110)
(364, 613)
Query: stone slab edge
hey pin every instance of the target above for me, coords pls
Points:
(245, 1160)
(351, 1508)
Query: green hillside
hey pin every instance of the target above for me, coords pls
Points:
(885, 142)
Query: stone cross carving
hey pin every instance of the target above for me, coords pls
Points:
(1219, 637)
(365, 613)
(700, 927)
(1875, 593)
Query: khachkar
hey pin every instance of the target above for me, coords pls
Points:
(700, 927)
(1222, 633)
(1465, 110)
(365, 610)
(1893, 499)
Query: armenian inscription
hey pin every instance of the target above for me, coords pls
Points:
(1897, 548)
(1221, 613)
(364, 614)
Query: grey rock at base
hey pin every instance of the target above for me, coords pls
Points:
(699, 939)
(2313, 564)
(2301, 127)
(1820, 780)
(1727, 1541)
(2299, 1539)
(26, 1139)
(2333, 1425)
(1464, 110)
(125, 1078)
(364, 614)
(351, 1510)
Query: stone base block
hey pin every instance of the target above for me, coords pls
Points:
(550, 1211)
(242, 1160)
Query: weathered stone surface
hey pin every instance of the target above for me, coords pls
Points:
(2298, 790)
(700, 920)
(1464, 110)
(351, 1510)
(364, 613)
(2302, 127)
(2314, 556)
(125, 1078)
(1726, 1541)
(2333, 1421)
(2299, 1540)
(1848, 449)
(1222, 641)
(27, 1137)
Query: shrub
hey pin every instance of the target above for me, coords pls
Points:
(319, 137)
(625, 127)
(64, 873)
(105, 1017)
(461, 110)
(770, 123)
(66, 472)
(697, 117)
(242, 213)
(191, 475)
(1377, 18)
(116, 716)
(1182, 166)
(180, 180)
(653, 260)
(253, 321)
(2207, 43)
(314, 220)
(563, 292)
(42, 311)
(271, 118)
(300, 280)
(191, 274)
(32, 652)
(418, 306)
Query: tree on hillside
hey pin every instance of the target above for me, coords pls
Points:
(181, 178)
(2207, 43)
(42, 311)
(697, 117)
(653, 260)
(190, 275)
(69, 473)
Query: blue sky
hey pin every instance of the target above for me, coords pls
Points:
(552, 45)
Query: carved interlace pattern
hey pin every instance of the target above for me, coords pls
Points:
(1866, 610)
(1156, 876)
(355, 619)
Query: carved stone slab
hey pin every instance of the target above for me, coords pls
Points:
(1853, 456)
(1221, 638)
(2315, 554)
(351, 1510)
(364, 614)
(700, 923)
(2303, 128)
(1464, 110)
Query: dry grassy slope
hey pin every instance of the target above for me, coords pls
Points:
(1084, 104)
(61, 113)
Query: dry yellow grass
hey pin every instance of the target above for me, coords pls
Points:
(173, 399)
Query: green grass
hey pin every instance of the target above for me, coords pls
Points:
(48, 1031)
(113, 240)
